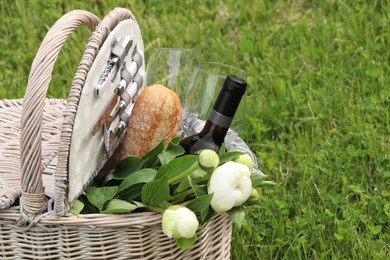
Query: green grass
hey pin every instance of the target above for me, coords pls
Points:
(318, 107)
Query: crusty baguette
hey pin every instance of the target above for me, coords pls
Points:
(156, 116)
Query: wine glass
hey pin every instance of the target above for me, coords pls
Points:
(202, 92)
(172, 67)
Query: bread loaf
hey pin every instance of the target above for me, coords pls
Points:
(156, 116)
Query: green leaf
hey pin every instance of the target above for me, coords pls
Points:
(155, 192)
(177, 167)
(207, 214)
(97, 196)
(222, 150)
(281, 230)
(76, 208)
(200, 190)
(338, 236)
(378, 202)
(335, 197)
(118, 206)
(165, 157)
(139, 204)
(171, 153)
(237, 215)
(177, 139)
(282, 204)
(132, 193)
(201, 203)
(127, 167)
(141, 176)
(185, 243)
(374, 229)
(200, 176)
(164, 206)
(229, 156)
(257, 179)
(151, 158)
(373, 72)
(88, 207)
(183, 185)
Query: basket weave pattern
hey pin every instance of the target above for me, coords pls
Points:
(11, 112)
(98, 236)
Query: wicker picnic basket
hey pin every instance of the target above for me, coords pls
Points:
(34, 139)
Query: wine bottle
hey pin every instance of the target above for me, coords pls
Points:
(220, 118)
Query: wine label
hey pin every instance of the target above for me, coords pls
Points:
(219, 119)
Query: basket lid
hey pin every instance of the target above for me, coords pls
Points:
(116, 77)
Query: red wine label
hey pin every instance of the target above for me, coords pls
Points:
(219, 119)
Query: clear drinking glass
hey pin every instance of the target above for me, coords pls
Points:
(172, 67)
(202, 91)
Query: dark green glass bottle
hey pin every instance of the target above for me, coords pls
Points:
(218, 123)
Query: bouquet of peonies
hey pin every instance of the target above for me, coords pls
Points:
(187, 189)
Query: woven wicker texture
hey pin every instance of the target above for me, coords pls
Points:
(97, 236)
(10, 114)
(44, 128)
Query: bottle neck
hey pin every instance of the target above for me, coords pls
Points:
(225, 106)
(220, 119)
(229, 98)
(217, 126)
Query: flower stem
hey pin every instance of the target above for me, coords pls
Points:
(185, 173)
(181, 195)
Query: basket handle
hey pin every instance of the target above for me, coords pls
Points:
(32, 194)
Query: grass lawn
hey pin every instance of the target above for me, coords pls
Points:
(318, 106)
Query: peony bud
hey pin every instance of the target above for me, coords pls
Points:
(245, 159)
(253, 198)
(231, 185)
(208, 160)
(179, 222)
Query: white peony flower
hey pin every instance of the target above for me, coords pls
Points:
(179, 222)
(231, 185)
